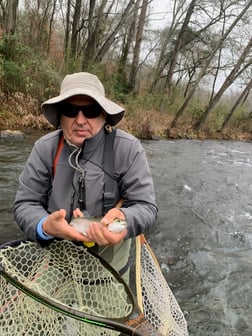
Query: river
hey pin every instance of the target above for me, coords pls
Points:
(203, 236)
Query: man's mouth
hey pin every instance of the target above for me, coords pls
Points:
(81, 131)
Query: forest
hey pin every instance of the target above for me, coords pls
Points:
(186, 76)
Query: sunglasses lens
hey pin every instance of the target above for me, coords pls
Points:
(89, 111)
(68, 110)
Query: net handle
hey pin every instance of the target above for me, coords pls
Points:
(119, 203)
(138, 273)
(140, 241)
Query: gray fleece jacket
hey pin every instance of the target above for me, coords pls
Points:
(41, 192)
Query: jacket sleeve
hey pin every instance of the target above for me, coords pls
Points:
(34, 186)
(136, 188)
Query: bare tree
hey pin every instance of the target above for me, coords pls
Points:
(137, 48)
(228, 81)
(178, 44)
(67, 29)
(167, 41)
(219, 57)
(95, 24)
(50, 28)
(183, 49)
(75, 28)
(126, 48)
(36, 24)
(241, 97)
(208, 62)
(110, 38)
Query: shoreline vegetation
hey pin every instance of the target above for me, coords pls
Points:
(20, 114)
(189, 79)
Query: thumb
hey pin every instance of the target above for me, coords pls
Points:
(61, 214)
(111, 215)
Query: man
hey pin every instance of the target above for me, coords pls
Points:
(48, 196)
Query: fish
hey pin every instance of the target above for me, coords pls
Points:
(81, 224)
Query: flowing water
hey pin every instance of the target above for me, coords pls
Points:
(203, 236)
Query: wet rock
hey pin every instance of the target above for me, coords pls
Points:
(11, 134)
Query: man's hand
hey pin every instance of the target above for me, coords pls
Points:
(55, 225)
(99, 234)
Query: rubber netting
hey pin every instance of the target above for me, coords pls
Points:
(155, 297)
(70, 276)
(66, 274)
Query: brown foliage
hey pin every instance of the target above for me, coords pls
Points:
(146, 124)
(23, 112)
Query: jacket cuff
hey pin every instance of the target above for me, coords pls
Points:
(41, 235)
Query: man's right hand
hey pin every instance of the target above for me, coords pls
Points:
(56, 225)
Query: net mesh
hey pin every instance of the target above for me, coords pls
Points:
(158, 302)
(65, 273)
(68, 274)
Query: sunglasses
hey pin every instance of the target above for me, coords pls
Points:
(89, 111)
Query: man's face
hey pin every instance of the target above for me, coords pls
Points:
(75, 125)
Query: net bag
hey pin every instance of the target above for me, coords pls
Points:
(155, 297)
(66, 274)
(64, 289)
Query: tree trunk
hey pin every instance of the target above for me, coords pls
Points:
(107, 44)
(219, 56)
(178, 45)
(10, 26)
(74, 36)
(94, 32)
(164, 59)
(137, 48)
(67, 30)
(50, 27)
(122, 76)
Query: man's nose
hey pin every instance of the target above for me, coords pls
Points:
(80, 118)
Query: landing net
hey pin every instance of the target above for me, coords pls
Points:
(65, 273)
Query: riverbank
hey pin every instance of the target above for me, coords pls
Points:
(151, 129)
(20, 113)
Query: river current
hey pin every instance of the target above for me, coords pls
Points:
(203, 236)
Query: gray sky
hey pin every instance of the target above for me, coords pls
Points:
(159, 8)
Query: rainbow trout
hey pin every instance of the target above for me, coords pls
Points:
(81, 224)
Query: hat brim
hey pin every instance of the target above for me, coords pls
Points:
(50, 107)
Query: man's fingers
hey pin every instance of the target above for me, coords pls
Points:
(58, 215)
(111, 215)
(78, 213)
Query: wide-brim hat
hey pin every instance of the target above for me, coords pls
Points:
(82, 83)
